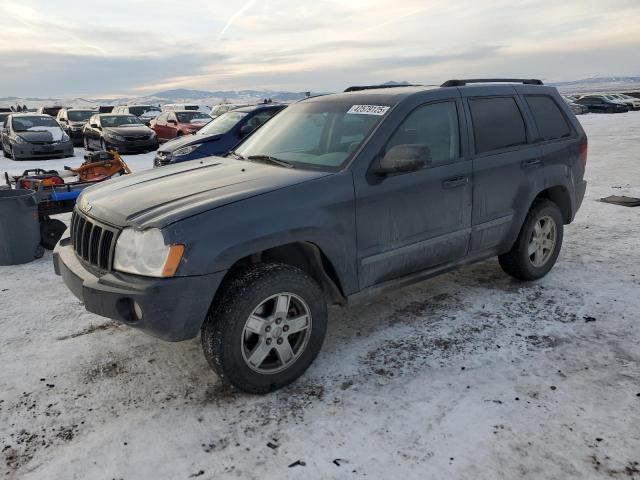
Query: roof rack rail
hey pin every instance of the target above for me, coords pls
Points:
(462, 83)
(359, 88)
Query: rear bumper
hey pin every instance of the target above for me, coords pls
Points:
(173, 309)
(580, 189)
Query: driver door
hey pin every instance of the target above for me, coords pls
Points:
(413, 221)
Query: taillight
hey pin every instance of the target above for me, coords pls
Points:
(583, 152)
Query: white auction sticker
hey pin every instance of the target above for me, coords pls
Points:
(368, 109)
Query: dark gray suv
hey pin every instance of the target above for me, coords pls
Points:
(336, 200)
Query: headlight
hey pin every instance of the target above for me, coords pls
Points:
(186, 150)
(65, 138)
(19, 139)
(114, 136)
(143, 252)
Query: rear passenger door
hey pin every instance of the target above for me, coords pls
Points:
(414, 221)
(505, 163)
(558, 139)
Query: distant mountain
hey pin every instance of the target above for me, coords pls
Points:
(211, 97)
(396, 84)
(595, 84)
(180, 93)
(206, 97)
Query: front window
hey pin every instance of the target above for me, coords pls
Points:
(118, 120)
(192, 117)
(222, 124)
(33, 123)
(319, 134)
(79, 115)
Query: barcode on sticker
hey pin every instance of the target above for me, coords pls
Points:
(368, 109)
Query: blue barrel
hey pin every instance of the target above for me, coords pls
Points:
(19, 227)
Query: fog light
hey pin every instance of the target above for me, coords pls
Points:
(137, 309)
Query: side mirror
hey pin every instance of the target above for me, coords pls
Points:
(246, 130)
(95, 125)
(172, 122)
(403, 158)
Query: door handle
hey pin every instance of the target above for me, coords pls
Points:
(455, 182)
(531, 163)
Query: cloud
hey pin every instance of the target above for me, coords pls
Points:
(235, 16)
(124, 46)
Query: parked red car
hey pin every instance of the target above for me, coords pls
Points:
(174, 124)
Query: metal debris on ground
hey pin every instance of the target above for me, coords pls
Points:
(622, 200)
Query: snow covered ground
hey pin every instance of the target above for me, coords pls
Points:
(470, 375)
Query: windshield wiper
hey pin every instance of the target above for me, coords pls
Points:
(270, 159)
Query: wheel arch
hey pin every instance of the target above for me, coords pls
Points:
(559, 195)
(304, 255)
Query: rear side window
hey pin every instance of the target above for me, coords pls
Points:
(434, 126)
(497, 123)
(549, 119)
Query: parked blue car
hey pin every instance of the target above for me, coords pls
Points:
(218, 136)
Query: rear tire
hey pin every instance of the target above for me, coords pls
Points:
(265, 327)
(538, 245)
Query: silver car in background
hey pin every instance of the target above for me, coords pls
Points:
(32, 135)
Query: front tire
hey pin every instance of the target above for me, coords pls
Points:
(265, 328)
(538, 245)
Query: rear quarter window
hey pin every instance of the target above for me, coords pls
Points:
(550, 121)
(497, 123)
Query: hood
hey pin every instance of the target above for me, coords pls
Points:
(129, 130)
(159, 197)
(180, 142)
(41, 134)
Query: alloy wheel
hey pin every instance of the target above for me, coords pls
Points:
(276, 333)
(542, 242)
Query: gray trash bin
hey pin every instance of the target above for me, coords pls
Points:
(19, 227)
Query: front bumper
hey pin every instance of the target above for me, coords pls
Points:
(133, 146)
(173, 309)
(30, 150)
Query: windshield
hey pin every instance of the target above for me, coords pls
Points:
(192, 117)
(223, 123)
(322, 134)
(22, 124)
(118, 120)
(79, 115)
(140, 109)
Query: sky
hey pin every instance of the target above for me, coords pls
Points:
(73, 48)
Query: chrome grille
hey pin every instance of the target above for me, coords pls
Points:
(92, 241)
